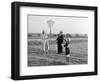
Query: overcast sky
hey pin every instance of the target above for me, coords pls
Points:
(66, 24)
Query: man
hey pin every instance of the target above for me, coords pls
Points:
(60, 39)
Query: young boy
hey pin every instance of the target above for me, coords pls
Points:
(67, 50)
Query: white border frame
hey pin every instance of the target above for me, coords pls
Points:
(24, 70)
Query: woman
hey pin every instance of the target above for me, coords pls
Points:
(44, 41)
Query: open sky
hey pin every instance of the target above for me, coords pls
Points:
(37, 23)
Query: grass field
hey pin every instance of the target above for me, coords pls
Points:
(78, 48)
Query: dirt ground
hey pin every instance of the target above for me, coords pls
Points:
(36, 57)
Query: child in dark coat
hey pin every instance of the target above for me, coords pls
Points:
(67, 50)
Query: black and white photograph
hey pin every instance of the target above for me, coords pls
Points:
(57, 40)
(53, 40)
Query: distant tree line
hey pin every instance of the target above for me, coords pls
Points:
(38, 35)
